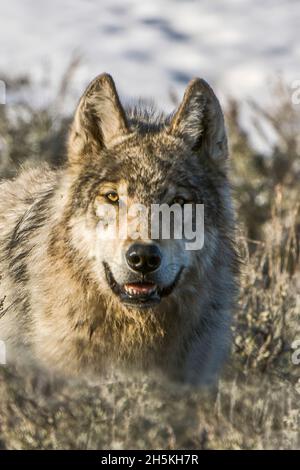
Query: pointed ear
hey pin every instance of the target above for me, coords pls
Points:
(99, 119)
(199, 121)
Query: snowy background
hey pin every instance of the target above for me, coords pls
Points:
(153, 48)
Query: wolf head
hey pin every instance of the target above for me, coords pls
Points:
(121, 159)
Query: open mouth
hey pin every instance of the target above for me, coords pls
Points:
(141, 294)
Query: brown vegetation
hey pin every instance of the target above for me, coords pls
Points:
(257, 403)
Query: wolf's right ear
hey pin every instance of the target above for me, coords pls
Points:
(199, 121)
(99, 119)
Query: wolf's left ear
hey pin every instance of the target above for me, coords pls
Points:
(199, 121)
(99, 118)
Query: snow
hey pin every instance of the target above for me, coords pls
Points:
(154, 47)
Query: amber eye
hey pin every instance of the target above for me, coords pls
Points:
(112, 196)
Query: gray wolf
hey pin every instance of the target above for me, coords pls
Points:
(83, 305)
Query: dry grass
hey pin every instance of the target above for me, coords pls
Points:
(257, 401)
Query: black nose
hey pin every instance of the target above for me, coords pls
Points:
(143, 258)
